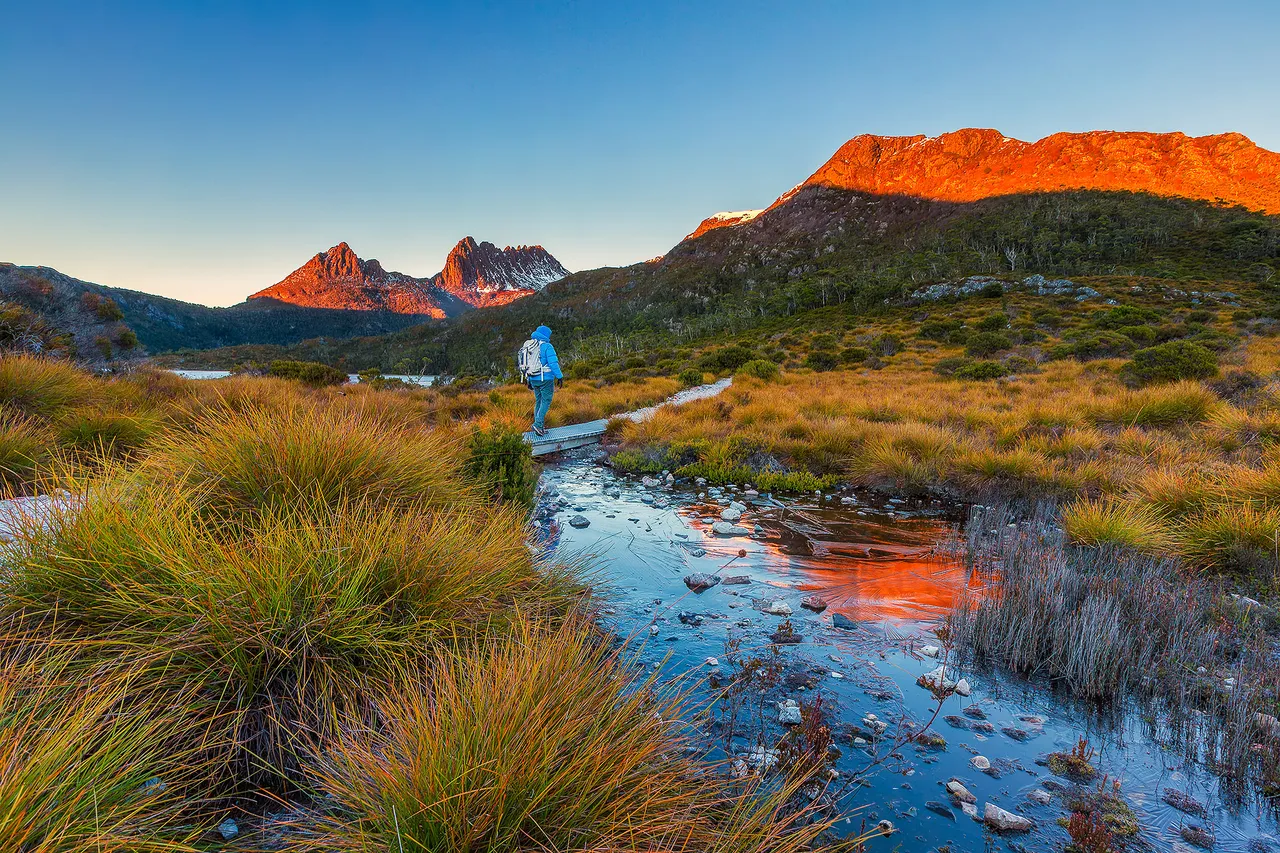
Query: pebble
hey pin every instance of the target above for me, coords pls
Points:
(980, 762)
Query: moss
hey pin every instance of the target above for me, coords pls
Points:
(1073, 767)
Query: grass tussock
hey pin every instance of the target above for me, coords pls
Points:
(89, 766)
(453, 766)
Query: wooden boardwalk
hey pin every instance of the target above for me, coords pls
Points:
(567, 437)
(580, 435)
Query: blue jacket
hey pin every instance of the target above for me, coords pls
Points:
(550, 361)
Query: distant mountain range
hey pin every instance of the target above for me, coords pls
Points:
(334, 295)
(475, 275)
(885, 216)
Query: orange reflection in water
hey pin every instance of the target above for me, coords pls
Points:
(869, 568)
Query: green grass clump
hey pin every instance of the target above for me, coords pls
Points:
(79, 760)
(543, 740)
(768, 481)
(108, 433)
(278, 621)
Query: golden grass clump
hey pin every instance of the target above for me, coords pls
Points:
(43, 387)
(249, 461)
(543, 739)
(1113, 522)
(91, 765)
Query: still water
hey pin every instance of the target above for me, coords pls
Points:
(424, 381)
(883, 566)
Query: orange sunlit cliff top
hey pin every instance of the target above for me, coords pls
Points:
(972, 164)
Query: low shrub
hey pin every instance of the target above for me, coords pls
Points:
(855, 355)
(691, 377)
(885, 345)
(501, 462)
(948, 366)
(992, 323)
(984, 344)
(1170, 362)
(938, 330)
(307, 372)
(1123, 315)
(821, 360)
(1093, 345)
(725, 359)
(761, 369)
(981, 370)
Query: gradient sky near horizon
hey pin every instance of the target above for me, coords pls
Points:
(203, 150)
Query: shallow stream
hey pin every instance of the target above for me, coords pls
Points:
(884, 568)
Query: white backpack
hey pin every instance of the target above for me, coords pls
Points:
(530, 359)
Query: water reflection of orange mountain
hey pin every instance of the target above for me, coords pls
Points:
(866, 567)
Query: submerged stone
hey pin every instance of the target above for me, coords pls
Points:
(699, 581)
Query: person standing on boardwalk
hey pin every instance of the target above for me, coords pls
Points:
(540, 368)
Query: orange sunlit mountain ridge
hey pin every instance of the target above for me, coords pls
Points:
(475, 275)
(972, 164)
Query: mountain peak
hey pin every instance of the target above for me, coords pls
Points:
(476, 274)
(974, 163)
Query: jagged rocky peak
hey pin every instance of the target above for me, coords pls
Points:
(483, 274)
(977, 163)
(475, 275)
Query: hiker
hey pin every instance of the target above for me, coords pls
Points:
(540, 368)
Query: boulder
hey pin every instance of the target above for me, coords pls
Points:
(963, 688)
(1005, 821)
(579, 521)
(724, 528)
(930, 651)
(814, 603)
(789, 713)
(730, 515)
(777, 607)
(699, 581)
(839, 620)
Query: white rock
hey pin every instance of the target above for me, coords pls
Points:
(724, 528)
(980, 762)
(738, 505)
(653, 629)
(778, 607)
(1005, 821)
(730, 515)
(712, 662)
(1041, 796)
(971, 810)
(960, 792)
(936, 679)
(789, 713)
(762, 759)
(837, 675)
(963, 688)
(930, 651)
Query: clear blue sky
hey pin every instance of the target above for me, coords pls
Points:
(205, 149)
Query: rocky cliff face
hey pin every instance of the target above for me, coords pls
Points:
(475, 275)
(481, 274)
(340, 279)
(973, 164)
